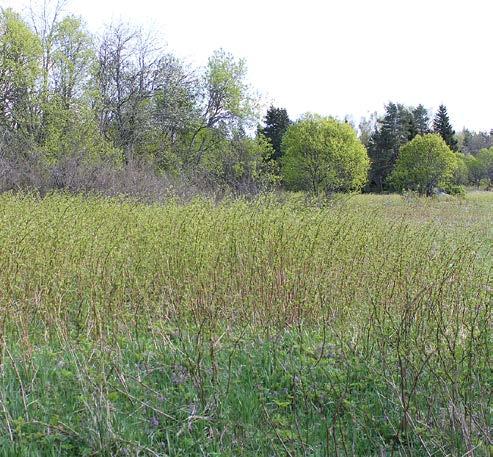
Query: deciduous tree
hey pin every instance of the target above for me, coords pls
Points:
(20, 54)
(323, 155)
(424, 163)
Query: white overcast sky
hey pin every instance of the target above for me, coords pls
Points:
(333, 57)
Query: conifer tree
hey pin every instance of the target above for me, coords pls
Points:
(421, 121)
(276, 123)
(442, 126)
(392, 131)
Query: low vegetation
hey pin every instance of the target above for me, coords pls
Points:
(278, 326)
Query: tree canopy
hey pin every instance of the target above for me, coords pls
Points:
(20, 53)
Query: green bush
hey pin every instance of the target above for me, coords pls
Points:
(454, 189)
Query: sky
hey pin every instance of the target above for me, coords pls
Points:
(333, 57)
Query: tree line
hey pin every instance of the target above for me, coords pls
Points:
(71, 101)
(406, 148)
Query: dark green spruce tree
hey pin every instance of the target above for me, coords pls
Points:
(442, 126)
(276, 123)
(393, 130)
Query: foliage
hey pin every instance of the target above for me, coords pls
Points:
(226, 87)
(461, 174)
(424, 163)
(242, 164)
(69, 131)
(73, 60)
(120, 97)
(480, 167)
(66, 93)
(474, 169)
(225, 105)
(323, 155)
(366, 128)
(420, 122)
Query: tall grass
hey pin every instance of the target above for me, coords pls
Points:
(278, 326)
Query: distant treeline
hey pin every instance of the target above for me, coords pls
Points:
(88, 112)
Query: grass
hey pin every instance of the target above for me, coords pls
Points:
(280, 326)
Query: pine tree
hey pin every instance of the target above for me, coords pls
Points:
(442, 126)
(276, 123)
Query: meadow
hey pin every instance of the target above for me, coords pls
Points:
(358, 326)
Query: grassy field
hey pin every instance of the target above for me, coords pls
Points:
(360, 327)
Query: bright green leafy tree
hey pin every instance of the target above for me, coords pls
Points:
(323, 155)
(225, 103)
(20, 53)
(424, 163)
(70, 124)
